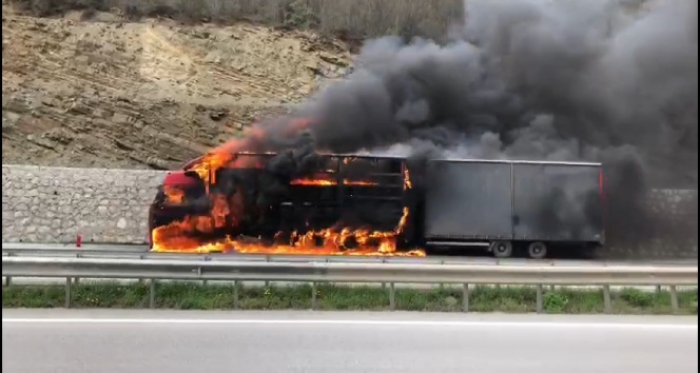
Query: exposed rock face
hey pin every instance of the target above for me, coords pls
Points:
(149, 94)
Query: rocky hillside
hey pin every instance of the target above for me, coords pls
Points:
(98, 90)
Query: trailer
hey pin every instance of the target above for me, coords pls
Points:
(507, 205)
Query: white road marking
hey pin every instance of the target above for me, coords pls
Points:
(348, 322)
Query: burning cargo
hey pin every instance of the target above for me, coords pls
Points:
(300, 202)
(286, 203)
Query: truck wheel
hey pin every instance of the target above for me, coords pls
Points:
(537, 250)
(502, 249)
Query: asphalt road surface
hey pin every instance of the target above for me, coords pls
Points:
(71, 341)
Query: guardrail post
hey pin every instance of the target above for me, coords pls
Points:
(607, 302)
(540, 298)
(314, 301)
(674, 298)
(235, 294)
(76, 280)
(392, 297)
(141, 257)
(441, 285)
(8, 279)
(206, 259)
(267, 260)
(152, 294)
(383, 283)
(69, 285)
(465, 297)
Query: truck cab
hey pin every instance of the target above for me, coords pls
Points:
(176, 197)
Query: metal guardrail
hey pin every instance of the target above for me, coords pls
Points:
(345, 272)
(315, 272)
(126, 252)
(133, 254)
(73, 252)
(108, 253)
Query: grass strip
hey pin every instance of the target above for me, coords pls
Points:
(195, 296)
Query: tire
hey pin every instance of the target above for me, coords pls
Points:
(502, 249)
(537, 250)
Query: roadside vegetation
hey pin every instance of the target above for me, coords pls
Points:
(352, 19)
(333, 297)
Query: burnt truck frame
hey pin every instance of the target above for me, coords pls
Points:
(303, 207)
(496, 205)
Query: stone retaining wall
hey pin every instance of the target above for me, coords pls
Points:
(674, 232)
(54, 205)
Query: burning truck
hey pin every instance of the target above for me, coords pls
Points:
(304, 202)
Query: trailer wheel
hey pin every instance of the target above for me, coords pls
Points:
(502, 249)
(537, 250)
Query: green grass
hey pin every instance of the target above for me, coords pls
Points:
(334, 297)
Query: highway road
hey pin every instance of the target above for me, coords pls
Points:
(82, 341)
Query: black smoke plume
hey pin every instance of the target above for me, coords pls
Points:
(598, 80)
(614, 81)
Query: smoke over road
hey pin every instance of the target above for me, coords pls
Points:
(613, 81)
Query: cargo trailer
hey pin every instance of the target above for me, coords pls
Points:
(506, 205)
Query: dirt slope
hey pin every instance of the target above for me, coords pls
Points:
(110, 93)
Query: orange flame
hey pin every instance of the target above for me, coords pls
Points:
(329, 182)
(407, 184)
(174, 196)
(224, 155)
(178, 236)
(174, 238)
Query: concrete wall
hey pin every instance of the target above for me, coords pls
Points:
(672, 233)
(47, 204)
(54, 204)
